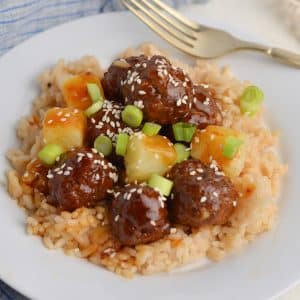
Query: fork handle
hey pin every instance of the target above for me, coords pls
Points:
(284, 56)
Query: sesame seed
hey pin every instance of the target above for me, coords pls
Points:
(50, 121)
(199, 178)
(107, 250)
(141, 92)
(49, 176)
(215, 194)
(206, 86)
(193, 173)
(203, 199)
(94, 150)
(59, 113)
(26, 174)
(207, 101)
(117, 218)
(67, 173)
(60, 172)
(234, 203)
(63, 119)
(152, 222)
(173, 230)
(89, 155)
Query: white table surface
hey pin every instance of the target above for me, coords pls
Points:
(261, 19)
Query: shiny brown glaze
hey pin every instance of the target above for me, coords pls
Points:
(163, 92)
(201, 195)
(36, 176)
(81, 178)
(204, 109)
(107, 121)
(115, 74)
(138, 215)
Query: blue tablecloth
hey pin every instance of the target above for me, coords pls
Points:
(20, 19)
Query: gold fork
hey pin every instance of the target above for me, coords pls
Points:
(195, 39)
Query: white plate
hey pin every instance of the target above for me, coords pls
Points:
(264, 269)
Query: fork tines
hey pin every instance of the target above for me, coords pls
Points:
(165, 21)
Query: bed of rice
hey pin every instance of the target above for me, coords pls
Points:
(85, 232)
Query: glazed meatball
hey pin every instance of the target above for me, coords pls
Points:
(204, 109)
(36, 176)
(106, 121)
(138, 215)
(163, 92)
(81, 178)
(201, 194)
(115, 74)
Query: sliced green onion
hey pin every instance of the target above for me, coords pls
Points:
(132, 116)
(95, 107)
(49, 154)
(188, 132)
(160, 183)
(183, 132)
(251, 100)
(103, 144)
(178, 131)
(151, 129)
(182, 152)
(94, 92)
(122, 142)
(231, 146)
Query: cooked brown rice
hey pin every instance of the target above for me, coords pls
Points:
(84, 232)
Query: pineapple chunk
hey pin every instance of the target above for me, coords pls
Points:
(146, 155)
(208, 144)
(65, 127)
(75, 91)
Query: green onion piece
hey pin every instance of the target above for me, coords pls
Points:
(160, 183)
(122, 142)
(188, 132)
(95, 107)
(231, 146)
(49, 154)
(182, 152)
(178, 131)
(103, 144)
(151, 129)
(251, 100)
(183, 132)
(94, 92)
(132, 116)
